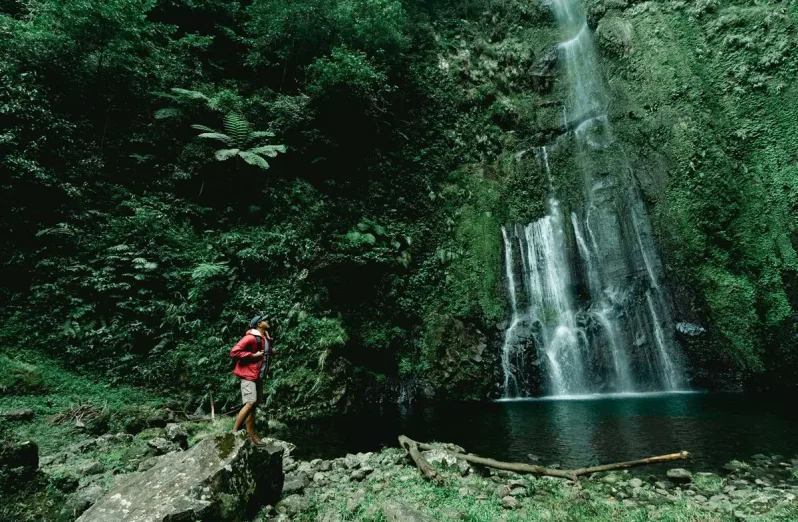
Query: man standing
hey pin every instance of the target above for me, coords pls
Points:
(252, 353)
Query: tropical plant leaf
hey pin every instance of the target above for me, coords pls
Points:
(226, 154)
(268, 150)
(254, 159)
(202, 128)
(168, 112)
(237, 127)
(259, 134)
(216, 136)
(187, 93)
(205, 271)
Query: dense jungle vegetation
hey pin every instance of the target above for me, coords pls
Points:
(170, 168)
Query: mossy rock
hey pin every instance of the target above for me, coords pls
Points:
(19, 378)
(708, 482)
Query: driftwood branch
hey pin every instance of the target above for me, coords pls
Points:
(423, 466)
(413, 448)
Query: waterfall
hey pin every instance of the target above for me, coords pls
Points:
(590, 314)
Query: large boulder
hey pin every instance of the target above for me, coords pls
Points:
(222, 478)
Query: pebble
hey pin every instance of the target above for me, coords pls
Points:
(635, 483)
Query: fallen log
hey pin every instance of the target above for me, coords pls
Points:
(429, 473)
(411, 446)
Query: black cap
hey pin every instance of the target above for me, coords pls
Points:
(255, 320)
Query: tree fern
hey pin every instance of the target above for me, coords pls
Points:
(237, 136)
(237, 127)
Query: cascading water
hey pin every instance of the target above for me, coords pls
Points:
(589, 314)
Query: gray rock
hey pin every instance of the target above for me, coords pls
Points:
(680, 475)
(219, 477)
(610, 479)
(176, 433)
(90, 468)
(401, 512)
(329, 516)
(21, 415)
(83, 446)
(629, 504)
(690, 329)
(147, 463)
(360, 474)
(293, 505)
(509, 502)
(325, 465)
(635, 483)
(292, 487)
(298, 476)
(351, 461)
(86, 498)
(735, 466)
(354, 501)
(440, 458)
(700, 498)
(502, 491)
(162, 446)
(91, 494)
(51, 460)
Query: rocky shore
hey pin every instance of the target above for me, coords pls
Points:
(386, 486)
(381, 486)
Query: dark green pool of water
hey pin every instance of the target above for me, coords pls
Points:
(715, 428)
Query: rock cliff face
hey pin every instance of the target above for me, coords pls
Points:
(221, 478)
(702, 108)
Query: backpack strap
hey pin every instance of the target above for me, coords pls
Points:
(258, 343)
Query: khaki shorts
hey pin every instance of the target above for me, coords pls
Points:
(251, 391)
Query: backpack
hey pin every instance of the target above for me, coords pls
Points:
(260, 342)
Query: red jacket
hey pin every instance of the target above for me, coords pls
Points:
(246, 367)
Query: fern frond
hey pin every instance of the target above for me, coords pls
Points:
(191, 95)
(202, 128)
(205, 271)
(259, 134)
(237, 127)
(224, 138)
(168, 112)
(268, 150)
(226, 154)
(254, 159)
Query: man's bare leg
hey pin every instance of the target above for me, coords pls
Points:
(244, 415)
(251, 425)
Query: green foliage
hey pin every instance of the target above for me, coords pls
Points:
(240, 136)
(19, 378)
(412, 132)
